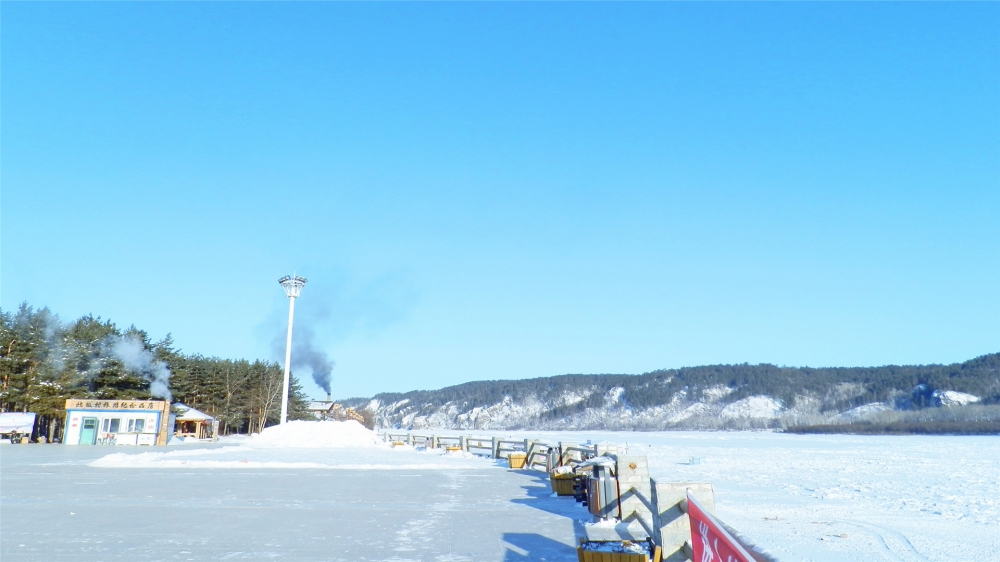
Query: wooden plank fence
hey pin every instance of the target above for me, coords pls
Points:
(538, 452)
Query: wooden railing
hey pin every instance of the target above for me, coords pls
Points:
(657, 507)
(538, 452)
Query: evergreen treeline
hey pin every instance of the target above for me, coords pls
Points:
(837, 389)
(44, 361)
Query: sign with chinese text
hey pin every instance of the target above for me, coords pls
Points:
(710, 542)
(88, 404)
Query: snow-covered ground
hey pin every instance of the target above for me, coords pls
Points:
(204, 502)
(839, 497)
(800, 497)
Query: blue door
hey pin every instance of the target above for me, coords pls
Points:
(88, 432)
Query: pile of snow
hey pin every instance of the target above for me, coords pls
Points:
(717, 392)
(316, 435)
(952, 398)
(625, 547)
(854, 414)
(696, 409)
(752, 407)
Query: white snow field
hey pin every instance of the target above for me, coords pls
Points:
(264, 500)
(279, 496)
(836, 498)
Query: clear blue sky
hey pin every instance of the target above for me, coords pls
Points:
(483, 191)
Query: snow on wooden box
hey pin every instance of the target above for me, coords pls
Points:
(615, 552)
(517, 460)
(562, 484)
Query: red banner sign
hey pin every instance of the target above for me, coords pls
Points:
(709, 540)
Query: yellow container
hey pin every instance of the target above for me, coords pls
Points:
(517, 460)
(398, 443)
(591, 556)
(453, 449)
(562, 484)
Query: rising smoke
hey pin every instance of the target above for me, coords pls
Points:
(305, 354)
(332, 308)
(135, 357)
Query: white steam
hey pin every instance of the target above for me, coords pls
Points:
(134, 355)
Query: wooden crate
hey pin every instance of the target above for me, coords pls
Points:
(562, 484)
(591, 556)
(517, 460)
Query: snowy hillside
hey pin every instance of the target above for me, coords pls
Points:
(722, 396)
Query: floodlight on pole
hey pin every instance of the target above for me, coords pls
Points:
(293, 286)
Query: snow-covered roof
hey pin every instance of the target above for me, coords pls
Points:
(317, 405)
(17, 421)
(187, 413)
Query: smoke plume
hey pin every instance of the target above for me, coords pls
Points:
(306, 355)
(134, 355)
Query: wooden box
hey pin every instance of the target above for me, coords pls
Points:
(517, 460)
(562, 484)
(591, 556)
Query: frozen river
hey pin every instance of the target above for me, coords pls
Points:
(818, 498)
(835, 498)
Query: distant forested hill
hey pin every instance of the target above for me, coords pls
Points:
(708, 396)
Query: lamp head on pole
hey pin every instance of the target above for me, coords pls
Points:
(293, 285)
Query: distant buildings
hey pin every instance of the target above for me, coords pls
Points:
(328, 410)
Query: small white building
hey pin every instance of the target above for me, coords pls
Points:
(116, 422)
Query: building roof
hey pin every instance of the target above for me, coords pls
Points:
(187, 413)
(17, 421)
(320, 406)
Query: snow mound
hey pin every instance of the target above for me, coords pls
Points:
(752, 407)
(718, 391)
(316, 435)
(696, 409)
(855, 414)
(952, 398)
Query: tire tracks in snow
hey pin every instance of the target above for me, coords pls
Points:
(895, 544)
(417, 537)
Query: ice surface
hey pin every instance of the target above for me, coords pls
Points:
(251, 456)
(817, 498)
(57, 504)
(836, 498)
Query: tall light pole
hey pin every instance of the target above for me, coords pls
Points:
(293, 286)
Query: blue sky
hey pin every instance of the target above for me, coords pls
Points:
(486, 190)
